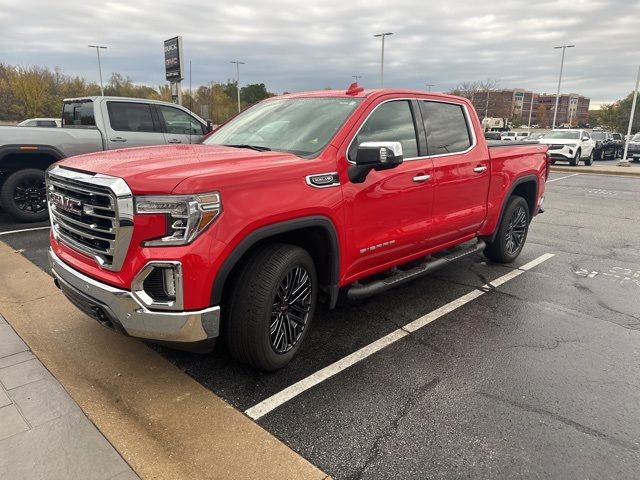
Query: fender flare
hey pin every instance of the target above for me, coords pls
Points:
(518, 181)
(32, 148)
(275, 229)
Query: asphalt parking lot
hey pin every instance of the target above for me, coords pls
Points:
(535, 376)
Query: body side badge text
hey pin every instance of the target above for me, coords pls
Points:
(323, 180)
(376, 247)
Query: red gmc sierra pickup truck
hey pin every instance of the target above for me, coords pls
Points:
(301, 197)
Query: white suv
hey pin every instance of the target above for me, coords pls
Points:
(570, 146)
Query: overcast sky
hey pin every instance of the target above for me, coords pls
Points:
(296, 45)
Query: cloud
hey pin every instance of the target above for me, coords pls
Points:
(292, 45)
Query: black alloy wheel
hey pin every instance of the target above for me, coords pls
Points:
(24, 195)
(291, 309)
(516, 230)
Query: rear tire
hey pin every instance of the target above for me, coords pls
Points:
(512, 232)
(271, 307)
(24, 195)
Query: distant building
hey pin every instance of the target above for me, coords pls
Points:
(518, 105)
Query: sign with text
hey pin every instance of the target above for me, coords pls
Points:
(173, 59)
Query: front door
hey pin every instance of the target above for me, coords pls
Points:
(388, 215)
(179, 126)
(461, 172)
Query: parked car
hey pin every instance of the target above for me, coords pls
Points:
(618, 138)
(492, 135)
(633, 152)
(41, 122)
(89, 124)
(509, 136)
(534, 137)
(154, 242)
(522, 135)
(605, 146)
(570, 145)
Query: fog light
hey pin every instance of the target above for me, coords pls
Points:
(159, 286)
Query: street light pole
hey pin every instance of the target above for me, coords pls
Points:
(624, 162)
(429, 85)
(530, 110)
(555, 111)
(382, 35)
(98, 48)
(238, 80)
(356, 77)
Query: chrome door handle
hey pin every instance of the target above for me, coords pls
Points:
(174, 140)
(480, 169)
(421, 178)
(118, 139)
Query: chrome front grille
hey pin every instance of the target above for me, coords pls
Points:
(91, 213)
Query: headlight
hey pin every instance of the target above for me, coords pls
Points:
(573, 145)
(187, 215)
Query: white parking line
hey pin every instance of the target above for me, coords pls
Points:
(561, 178)
(274, 401)
(24, 230)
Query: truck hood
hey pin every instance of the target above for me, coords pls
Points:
(160, 169)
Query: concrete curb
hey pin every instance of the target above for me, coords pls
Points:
(599, 170)
(163, 423)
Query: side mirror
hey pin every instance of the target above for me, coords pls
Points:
(375, 156)
(209, 126)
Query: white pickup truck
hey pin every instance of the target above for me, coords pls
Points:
(89, 124)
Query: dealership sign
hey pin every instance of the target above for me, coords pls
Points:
(173, 59)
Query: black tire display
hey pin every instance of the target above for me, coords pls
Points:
(512, 232)
(576, 159)
(24, 197)
(272, 303)
(589, 159)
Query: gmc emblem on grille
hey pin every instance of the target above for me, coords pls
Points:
(65, 203)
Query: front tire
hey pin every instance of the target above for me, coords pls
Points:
(24, 195)
(272, 304)
(589, 160)
(576, 159)
(512, 232)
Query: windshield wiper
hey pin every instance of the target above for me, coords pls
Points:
(257, 148)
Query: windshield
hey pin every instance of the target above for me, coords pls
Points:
(598, 136)
(302, 126)
(567, 134)
(636, 138)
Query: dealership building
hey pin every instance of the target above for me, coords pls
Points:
(516, 104)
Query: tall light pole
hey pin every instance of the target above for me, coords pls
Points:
(429, 85)
(356, 77)
(555, 111)
(624, 162)
(98, 48)
(530, 110)
(382, 35)
(238, 80)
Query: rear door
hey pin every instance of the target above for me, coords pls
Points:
(132, 124)
(179, 126)
(388, 215)
(461, 171)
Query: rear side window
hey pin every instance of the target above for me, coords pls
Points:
(46, 123)
(446, 126)
(78, 115)
(130, 117)
(390, 122)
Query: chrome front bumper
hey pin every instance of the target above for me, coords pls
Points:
(120, 310)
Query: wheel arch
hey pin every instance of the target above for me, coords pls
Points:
(526, 187)
(12, 157)
(315, 234)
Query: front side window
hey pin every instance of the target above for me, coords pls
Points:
(302, 126)
(389, 122)
(130, 117)
(179, 122)
(446, 126)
